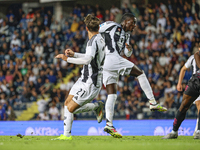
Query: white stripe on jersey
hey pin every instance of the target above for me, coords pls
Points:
(191, 62)
(92, 73)
(115, 37)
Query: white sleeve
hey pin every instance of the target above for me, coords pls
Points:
(78, 55)
(84, 59)
(188, 64)
(126, 51)
(81, 60)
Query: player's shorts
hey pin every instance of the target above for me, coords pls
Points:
(193, 87)
(114, 66)
(84, 92)
(198, 99)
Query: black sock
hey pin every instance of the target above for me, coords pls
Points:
(178, 120)
(198, 128)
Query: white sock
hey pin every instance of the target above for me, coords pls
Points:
(68, 120)
(87, 107)
(144, 84)
(174, 131)
(110, 104)
(196, 125)
(198, 131)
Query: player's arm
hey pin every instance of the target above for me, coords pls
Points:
(181, 76)
(85, 60)
(70, 53)
(187, 65)
(197, 58)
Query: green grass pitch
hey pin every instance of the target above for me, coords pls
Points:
(98, 143)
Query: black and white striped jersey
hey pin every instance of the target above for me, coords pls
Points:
(115, 38)
(92, 73)
(191, 62)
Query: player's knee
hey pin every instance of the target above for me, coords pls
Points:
(66, 102)
(183, 109)
(136, 71)
(70, 109)
(111, 88)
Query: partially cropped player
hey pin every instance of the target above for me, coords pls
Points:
(89, 84)
(197, 102)
(117, 38)
(190, 63)
(191, 93)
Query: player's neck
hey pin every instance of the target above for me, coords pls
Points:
(91, 34)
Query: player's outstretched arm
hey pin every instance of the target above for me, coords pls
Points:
(70, 53)
(78, 61)
(62, 56)
(197, 58)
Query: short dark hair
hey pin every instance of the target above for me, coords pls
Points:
(128, 16)
(92, 23)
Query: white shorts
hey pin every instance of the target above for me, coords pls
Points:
(114, 66)
(83, 92)
(198, 98)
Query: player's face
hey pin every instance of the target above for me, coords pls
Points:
(130, 24)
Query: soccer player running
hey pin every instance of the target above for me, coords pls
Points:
(191, 94)
(117, 38)
(89, 84)
(190, 62)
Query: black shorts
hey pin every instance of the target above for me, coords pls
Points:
(193, 86)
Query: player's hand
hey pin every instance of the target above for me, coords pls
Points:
(179, 87)
(69, 53)
(62, 56)
(129, 47)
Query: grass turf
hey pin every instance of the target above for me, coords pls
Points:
(98, 143)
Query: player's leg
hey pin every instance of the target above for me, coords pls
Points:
(97, 107)
(110, 102)
(197, 103)
(197, 129)
(110, 80)
(77, 102)
(84, 98)
(69, 107)
(180, 115)
(144, 84)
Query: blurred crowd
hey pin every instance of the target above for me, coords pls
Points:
(167, 34)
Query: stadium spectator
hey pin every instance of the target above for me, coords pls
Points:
(2, 113)
(42, 105)
(10, 113)
(54, 112)
(43, 116)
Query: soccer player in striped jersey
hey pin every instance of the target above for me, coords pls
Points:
(191, 94)
(89, 84)
(117, 38)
